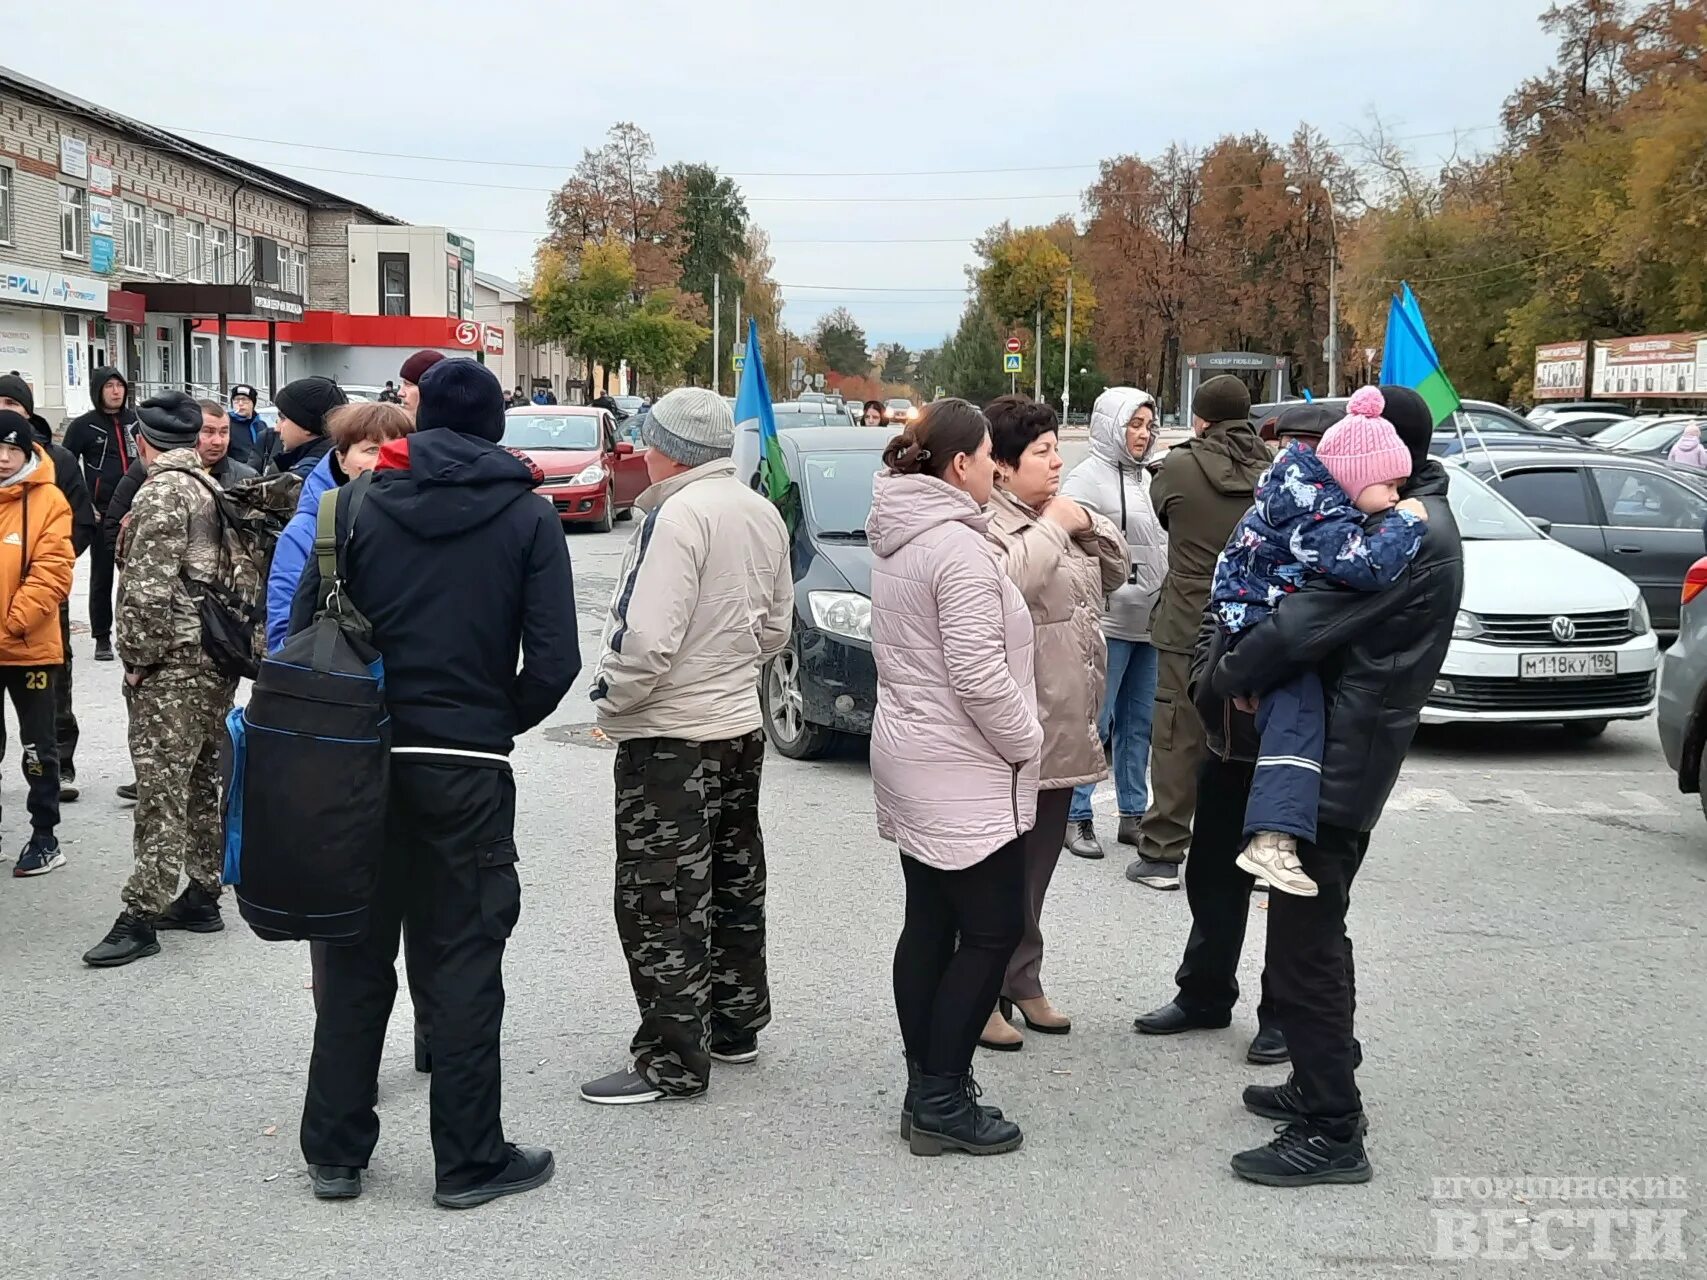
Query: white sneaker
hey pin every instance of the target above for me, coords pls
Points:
(1273, 856)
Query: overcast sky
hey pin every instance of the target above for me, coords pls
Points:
(774, 92)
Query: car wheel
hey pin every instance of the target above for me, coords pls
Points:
(1585, 730)
(627, 513)
(785, 710)
(603, 523)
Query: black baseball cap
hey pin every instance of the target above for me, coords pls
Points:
(1306, 418)
(244, 389)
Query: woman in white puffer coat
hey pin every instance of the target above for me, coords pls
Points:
(1115, 482)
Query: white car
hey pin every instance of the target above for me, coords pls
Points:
(1544, 633)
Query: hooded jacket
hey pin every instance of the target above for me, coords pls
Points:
(246, 438)
(462, 569)
(36, 566)
(291, 551)
(1063, 579)
(102, 442)
(1113, 483)
(173, 530)
(85, 524)
(1688, 451)
(1205, 485)
(1377, 654)
(704, 600)
(955, 739)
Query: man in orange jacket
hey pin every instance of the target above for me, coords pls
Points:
(36, 564)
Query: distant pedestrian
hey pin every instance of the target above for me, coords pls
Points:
(954, 762)
(1201, 489)
(1065, 560)
(1114, 481)
(176, 698)
(704, 599)
(35, 579)
(1688, 451)
(388, 394)
(874, 413)
(413, 370)
(518, 397)
(463, 573)
(303, 406)
(247, 426)
(101, 440)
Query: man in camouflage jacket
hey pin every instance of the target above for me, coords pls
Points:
(177, 699)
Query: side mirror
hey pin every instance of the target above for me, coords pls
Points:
(1542, 523)
(624, 448)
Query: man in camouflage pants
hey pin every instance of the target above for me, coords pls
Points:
(177, 700)
(704, 599)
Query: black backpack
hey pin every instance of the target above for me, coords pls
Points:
(305, 812)
(233, 604)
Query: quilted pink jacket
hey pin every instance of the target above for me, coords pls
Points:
(955, 741)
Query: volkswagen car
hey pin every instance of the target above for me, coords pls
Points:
(591, 476)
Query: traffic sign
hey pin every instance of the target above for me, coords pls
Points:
(818, 381)
(796, 384)
(798, 367)
(740, 361)
(1013, 346)
(1012, 361)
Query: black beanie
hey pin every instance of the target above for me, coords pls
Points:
(464, 396)
(15, 429)
(1412, 419)
(307, 401)
(1222, 399)
(170, 420)
(12, 387)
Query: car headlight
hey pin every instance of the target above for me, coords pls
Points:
(593, 474)
(1640, 623)
(841, 613)
(1466, 626)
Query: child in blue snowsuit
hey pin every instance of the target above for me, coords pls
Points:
(1314, 517)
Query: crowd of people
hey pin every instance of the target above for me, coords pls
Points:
(1243, 641)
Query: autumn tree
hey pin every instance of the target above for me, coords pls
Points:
(896, 364)
(841, 342)
(711, 229)
(615, 195)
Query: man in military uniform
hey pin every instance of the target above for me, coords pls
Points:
(704, 600)
(176, 698)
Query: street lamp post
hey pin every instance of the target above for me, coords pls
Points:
(1333, 342)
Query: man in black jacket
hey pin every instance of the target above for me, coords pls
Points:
(15, 394)
(302, 439)
(1378, 655)
(101, 440)
(460, 567)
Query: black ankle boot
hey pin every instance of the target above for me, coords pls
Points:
(423, 1051)
(907, 1102)
(947, 1117)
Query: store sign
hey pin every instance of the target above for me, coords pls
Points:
(101, 181)
(51, 289)
(1671, 365)
(1561, 371)
(276, 304)
(20, 344)
(494, 340)
(101, 254)
(73, 156)
(127, 308)
(100, 216)
(467, 334)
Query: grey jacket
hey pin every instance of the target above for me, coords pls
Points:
(1114, 484)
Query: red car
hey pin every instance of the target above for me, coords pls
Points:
(591, 476)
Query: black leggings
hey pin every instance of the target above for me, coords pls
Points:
(943, 991)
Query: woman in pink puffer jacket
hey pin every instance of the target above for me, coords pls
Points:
(954, 755)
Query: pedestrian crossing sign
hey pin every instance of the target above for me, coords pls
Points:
(1011, 361)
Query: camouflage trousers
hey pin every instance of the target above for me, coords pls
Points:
(177, 723)
(690, 899)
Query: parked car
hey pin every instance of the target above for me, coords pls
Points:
(1641, 517)
(900, 411)
(628, 406)
(1481, 425)
(1542, 415)
(1656, 438)
(825, 683)
(1584, 424)
(1544, 633)
(1683, 689)
(591, 476)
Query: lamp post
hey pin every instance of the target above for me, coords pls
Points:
(1333, 342)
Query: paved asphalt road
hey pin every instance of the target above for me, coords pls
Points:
(1530, 953)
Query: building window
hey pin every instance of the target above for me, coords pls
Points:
(72, 201)
(299, 258)
(453, 288)
(203, 352)
(245, 258)
(219, 248)
(163, 360)
(133, 236)
(193, 241)
(165, 253)
(5, 205)
(393, 284)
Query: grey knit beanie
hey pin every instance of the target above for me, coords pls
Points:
(693, 425)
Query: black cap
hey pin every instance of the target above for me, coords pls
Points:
(307, 401)
(12, 387)
(1222, 398)
(463, 395)
(15, 429)
(1306, 418)
(244, 389)
(170, 420)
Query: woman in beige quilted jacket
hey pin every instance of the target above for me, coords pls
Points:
(1064, 559)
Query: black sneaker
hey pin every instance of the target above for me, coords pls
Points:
(1284, 1102)
(126, 791)
(735, 1049)
(529, 1167)
(103, 651)
(335, 1181)
(195, 909)
(1082, 840)
(40, 856)
(1153, 874)
(627, 1087)
(130, 938)
(1303, 1156)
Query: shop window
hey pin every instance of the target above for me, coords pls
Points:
(393, 284)
(72, 203)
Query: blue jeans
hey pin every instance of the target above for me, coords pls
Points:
(1128, 709)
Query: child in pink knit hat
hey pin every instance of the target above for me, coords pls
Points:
(1330, 513)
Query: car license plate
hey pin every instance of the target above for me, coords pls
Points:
(1567, 666)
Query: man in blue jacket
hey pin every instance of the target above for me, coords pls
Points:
(462, 571)
(246, 426)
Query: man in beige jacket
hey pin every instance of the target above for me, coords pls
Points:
(705, 598)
